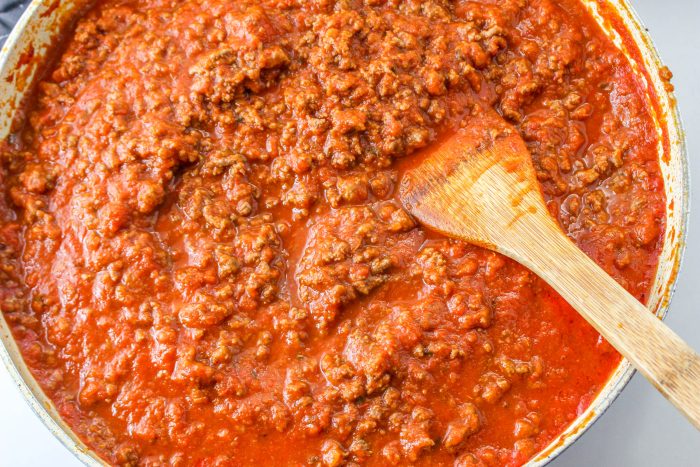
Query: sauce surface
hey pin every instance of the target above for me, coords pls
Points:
(204, 261)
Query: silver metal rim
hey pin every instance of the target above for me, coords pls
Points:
(44, 409)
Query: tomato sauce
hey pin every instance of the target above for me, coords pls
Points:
(205, 261)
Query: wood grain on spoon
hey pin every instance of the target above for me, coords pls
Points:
(480, 186)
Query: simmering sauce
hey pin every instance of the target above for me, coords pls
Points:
(204, 260)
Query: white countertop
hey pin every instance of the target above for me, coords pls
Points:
(640, 429)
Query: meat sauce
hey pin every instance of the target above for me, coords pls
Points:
(204, 260)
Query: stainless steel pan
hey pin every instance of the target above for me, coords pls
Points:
(39, 28)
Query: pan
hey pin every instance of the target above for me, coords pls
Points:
(39, 29)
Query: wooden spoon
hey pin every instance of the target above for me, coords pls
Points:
(480, 186)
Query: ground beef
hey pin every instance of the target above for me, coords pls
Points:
(204, 261)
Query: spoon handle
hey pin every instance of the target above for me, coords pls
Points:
(652, 347)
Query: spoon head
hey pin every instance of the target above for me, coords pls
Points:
(477, 185)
